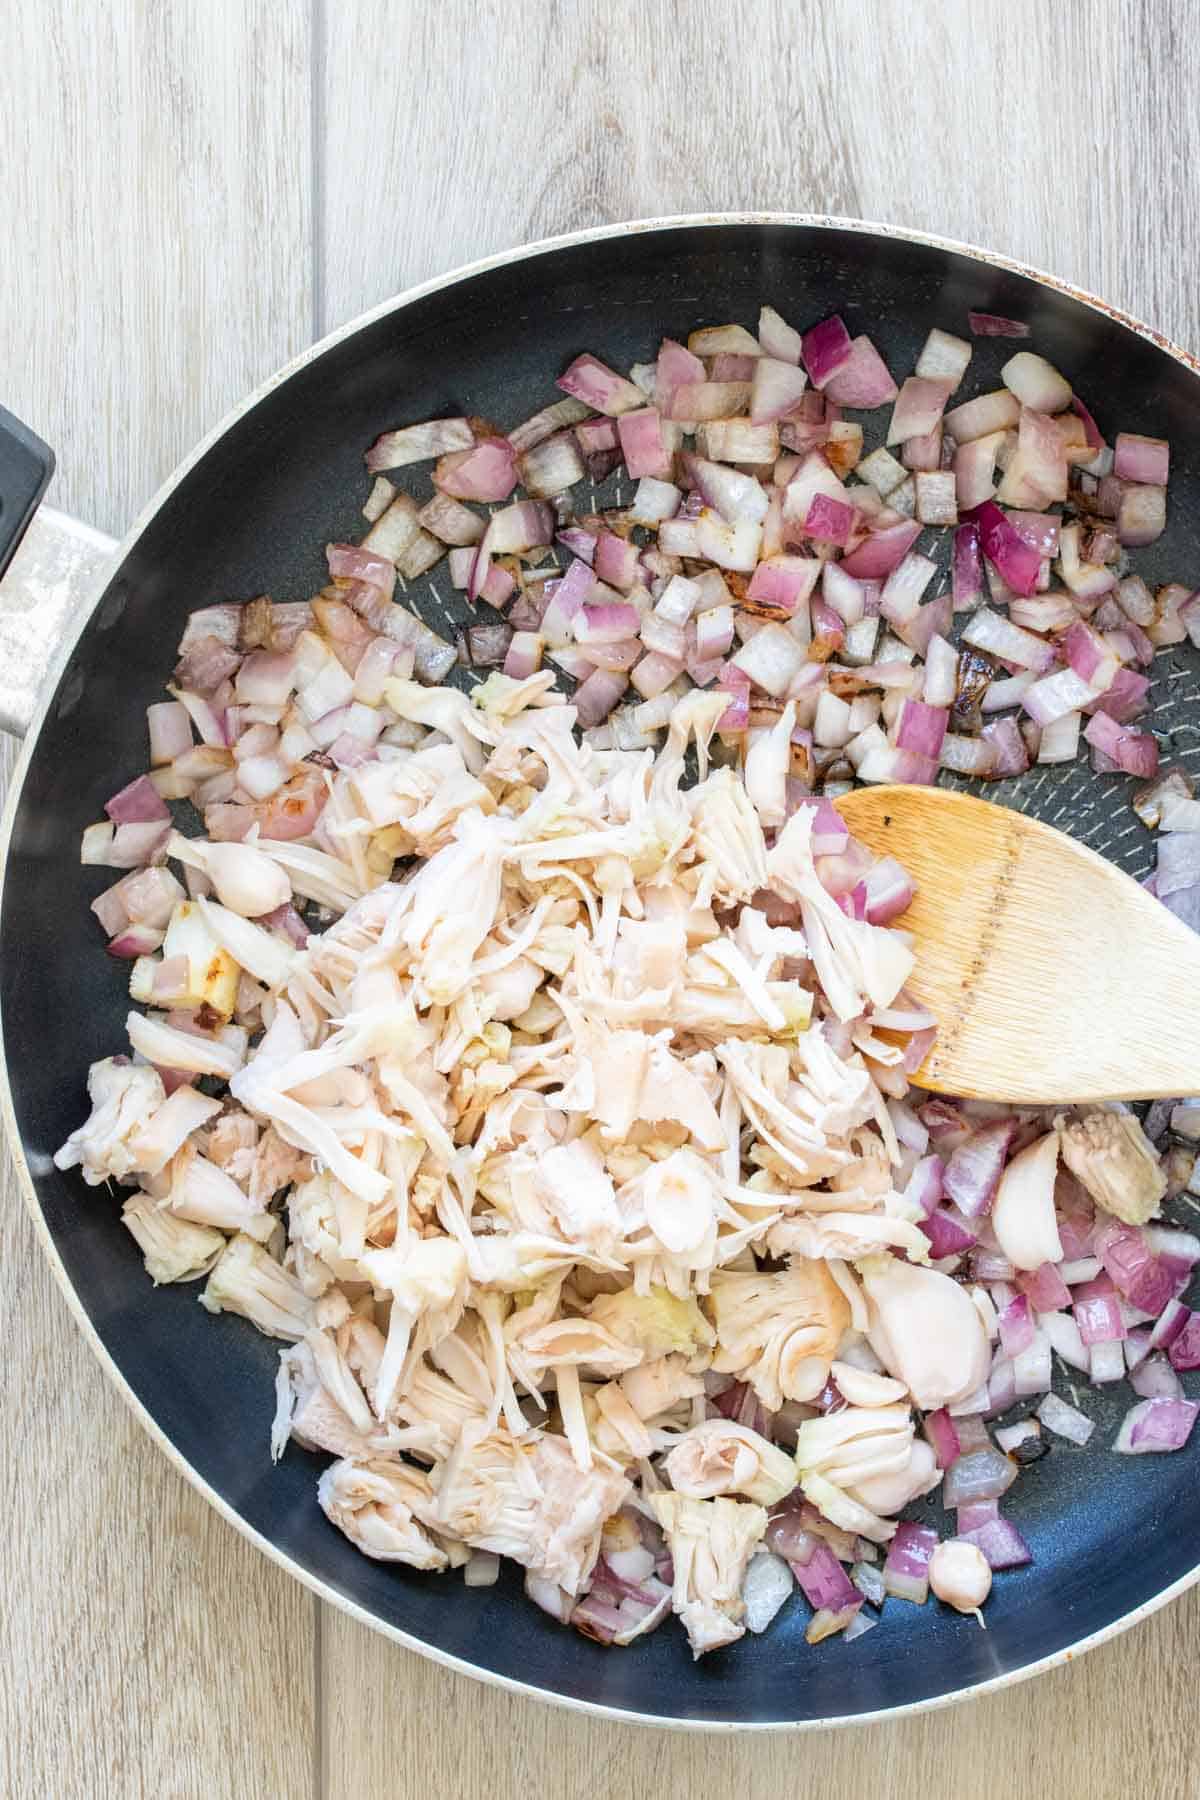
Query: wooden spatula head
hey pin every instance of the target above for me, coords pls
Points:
(1052, 975)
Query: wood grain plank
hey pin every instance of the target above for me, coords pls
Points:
(156, 264)
(584, 116)
(1065, 142)
(157, 256)
(402, 1729)
(1064, 139)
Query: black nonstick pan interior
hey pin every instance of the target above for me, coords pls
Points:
(1109, 1534)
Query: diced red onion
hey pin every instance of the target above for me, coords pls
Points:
(985, 416)
(1144, 460)
(1001, 1543)
(605, 624)
(984, 324)
(170, 731)
(621, 655)
(1009, 1436)
(1178, 862)
(595, 698)
(1135, 1270)
(135, 845)
(1125, 700)
(1183, 1341)
(863, 380)
(351, 562)
(207, 719)
(734, 547)
(134, 941)
(771, 659)
(549, 468)
(1155, 1379)
(736, 497)
(1001, 1390)
(654, 501)
(1003, 546)
(918, 409)
(525, 525)
(825, 348)
(1039, 530)
(714, 631)
(976, 1512)
(890, 891)
(1090, 656)
(654, 674)
(823, 1581)
(1066, 1421)
(1017, 1329)
(906, 766)
(736, 682)
(659, 635)
(967, 756)
(676, 367)
(148, 897)
(137, 804)
(487, 472)
(418, 443)
(987, 631)
(881, 551)
(1031, 1368)
(596, 385)
(975, 1166)
(1097, 1312)
(524, 656)
(975, 470)
(777, 337)
(906, 1567)
(826, 1623)
(1045, 1288)
(904, 587)
(921, 728)
(616, 561)
(1135, 752)
(776, 389)
(644, 446)
(829, 521)
(544, 424)
(941, 672)
(949, 1233)
(942, 1432)
(707, 401)
(983, 1474)
(787, 1534)
(934, 619)
(1182, 1246)
(1141, 516)
(1055, 696)
(573, 663)
(488, 645)
(1156, 1425)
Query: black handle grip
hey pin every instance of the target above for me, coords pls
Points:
(26, 465)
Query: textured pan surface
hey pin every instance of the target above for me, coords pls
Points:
(1109, 1533)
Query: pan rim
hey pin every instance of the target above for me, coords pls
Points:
(396, 303)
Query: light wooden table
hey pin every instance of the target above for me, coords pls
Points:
(191, 191)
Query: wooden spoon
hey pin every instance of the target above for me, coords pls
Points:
(1053, 977)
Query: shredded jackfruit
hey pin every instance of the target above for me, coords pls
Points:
(546, 1135)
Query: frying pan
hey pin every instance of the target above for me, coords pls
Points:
(1113, 1537)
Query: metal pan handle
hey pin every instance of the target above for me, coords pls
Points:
(51, 569)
